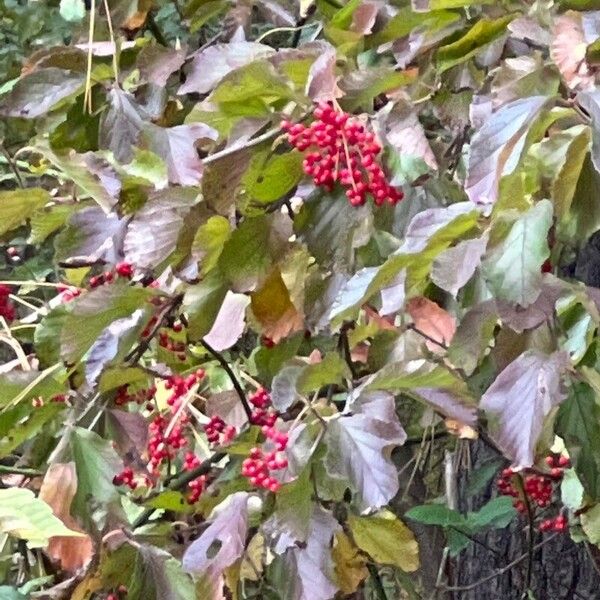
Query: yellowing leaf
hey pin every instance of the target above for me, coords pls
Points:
(386, 539)
(58, 490)
(274, 310)
(252, 563)
(350, 567)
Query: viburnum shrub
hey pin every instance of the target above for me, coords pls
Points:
(284, 283)
(339, 149)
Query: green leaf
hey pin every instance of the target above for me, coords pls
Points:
(209, 242)
(578, 423)
(590, 522)
(362, 87)
(497, 513)
(571, 490)
(513, 268)
(72, 10)
(331, 370)
(24, 516)
(39, 92)
(386, 539)
(10, 593)
(406, 20)
(202, 303)
(480, 35)
(28, 385)
(45, 222)
(394, 377)
(260, 241)
(294, 507)
(22, 423)
(18, 205)
(96, 463)
(251, 90)
(270, 176)
(149, 166)
(436, 514)
(94, 311)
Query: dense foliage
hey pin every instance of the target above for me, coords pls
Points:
(271, 269)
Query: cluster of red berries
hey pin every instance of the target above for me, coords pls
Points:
(218, 432)
(262, 414)
(167, 433)
(7, 308)
(126, 477)
(258, 466)
(538, 488)
(118, 593)
(343, 151)
(123, 270)
(139, 397)
(260, 463)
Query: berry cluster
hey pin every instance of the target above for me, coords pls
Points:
(260, 463)
(167, 433)
(218, 432)
(538, 488)
(139, 397)
(341, 150)
(123, 270)
(7, 308)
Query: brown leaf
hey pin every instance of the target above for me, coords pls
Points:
(273, 308)
(567, 50)
(349, 565)
(58, 490)
(433, 321)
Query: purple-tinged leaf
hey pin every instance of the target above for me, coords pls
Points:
(309, 569)
(106, 347)
(449, 403)
(453, 268)
(400, 126)
(157, 63)
(321, 84)
(230, 322)
(177, 147)
(497, 147)
(35, 94)
(121, 125)
(223, 542)
(153, 232)
(91, 235)
(359, 443)
(210, 65)
(520, 397)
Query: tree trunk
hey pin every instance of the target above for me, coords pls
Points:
(560, 568)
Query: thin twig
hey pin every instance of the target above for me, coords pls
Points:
(180, 483)
(234, 380)
(508, 567)
(134, 356)
(12, 165)
(412, 327)
(6, 470)
(344, 346)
